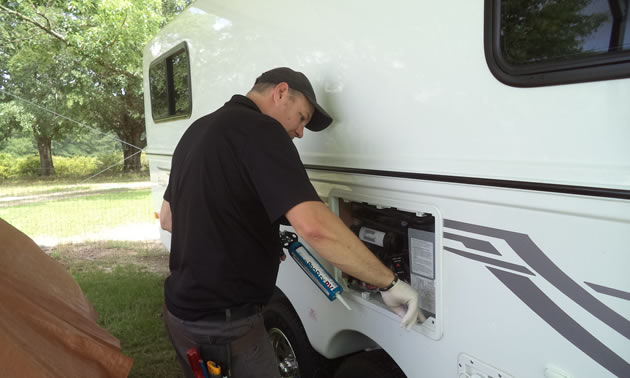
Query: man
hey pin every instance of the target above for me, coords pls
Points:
(235, 175)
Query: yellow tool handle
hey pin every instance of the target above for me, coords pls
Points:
(213, 368)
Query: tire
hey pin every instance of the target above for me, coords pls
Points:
(296, 357)
(373, 364)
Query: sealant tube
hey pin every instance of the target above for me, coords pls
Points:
(316, 272)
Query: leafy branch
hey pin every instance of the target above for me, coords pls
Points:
(48, 29)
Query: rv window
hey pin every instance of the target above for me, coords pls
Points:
(547, 42)
(169, 78)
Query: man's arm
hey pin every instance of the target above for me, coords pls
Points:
(166, 218)
(335, 242)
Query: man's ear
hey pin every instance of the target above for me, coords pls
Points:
(281, 93)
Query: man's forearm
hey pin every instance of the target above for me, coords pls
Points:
(335, 242)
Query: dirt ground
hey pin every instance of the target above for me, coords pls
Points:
(135, 232)
(150, 255)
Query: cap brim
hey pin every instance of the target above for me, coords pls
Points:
(320, 119)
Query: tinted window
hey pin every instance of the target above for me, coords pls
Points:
(550, 36)
(181, 83)
(159, 94)
(538, 31)
(169, 78)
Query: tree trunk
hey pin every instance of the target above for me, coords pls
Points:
(131, 132)
(132, 162)
(132, 136)
(45, 156)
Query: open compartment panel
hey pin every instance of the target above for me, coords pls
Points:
(404, 241)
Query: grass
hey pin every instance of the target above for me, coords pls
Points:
(128, 300)
(38, 185)
(73, 216)
(124, 283)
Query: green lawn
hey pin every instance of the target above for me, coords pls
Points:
(27, 187)
(128, 300)
(74, 216)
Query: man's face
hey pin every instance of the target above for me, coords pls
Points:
(294, 114)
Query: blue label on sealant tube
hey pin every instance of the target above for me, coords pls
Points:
(318, 274)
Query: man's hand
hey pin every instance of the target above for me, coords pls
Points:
(166, 218)
(403, 300)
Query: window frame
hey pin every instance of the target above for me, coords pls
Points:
(615, 65)
(170, 83)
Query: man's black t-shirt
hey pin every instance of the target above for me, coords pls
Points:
(234, 175)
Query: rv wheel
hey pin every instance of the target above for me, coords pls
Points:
(373, 364)
(296, 357)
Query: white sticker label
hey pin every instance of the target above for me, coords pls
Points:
(369, 235)
(426, 291)
(421, 254)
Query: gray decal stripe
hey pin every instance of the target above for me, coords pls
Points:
(489, 260)
(609, 291)
(553, 315)
(479, 245)
(527, 250)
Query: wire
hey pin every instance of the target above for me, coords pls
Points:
(82, 125)
(71, 120)
(113, 165)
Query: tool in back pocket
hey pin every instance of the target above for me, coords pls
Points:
(211, 361)
(217, 359)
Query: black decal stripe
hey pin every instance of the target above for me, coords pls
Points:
(527, 250)
(526, 185)
(609, 291)
(476, 244)
(559, 320)
(489, 260)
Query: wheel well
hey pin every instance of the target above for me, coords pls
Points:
(278, 294)
(343, 343)
(291, 344)
(369, 364)
(346, 344)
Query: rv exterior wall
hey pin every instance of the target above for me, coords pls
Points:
(409, 89)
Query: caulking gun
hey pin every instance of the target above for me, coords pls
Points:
(309, 264)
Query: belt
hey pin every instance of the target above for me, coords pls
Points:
(234, 313)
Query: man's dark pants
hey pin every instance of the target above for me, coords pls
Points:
(255, 358)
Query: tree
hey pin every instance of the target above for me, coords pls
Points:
(99, 44)
(34, 69)
(540, 30)
(13, 119)
(8, 123)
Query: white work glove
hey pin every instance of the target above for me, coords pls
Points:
(403, 300)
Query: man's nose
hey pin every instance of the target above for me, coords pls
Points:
(299, 132)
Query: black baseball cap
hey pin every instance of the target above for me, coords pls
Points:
(299, 82)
